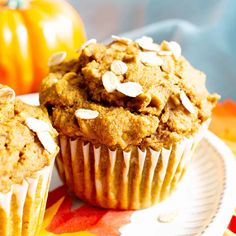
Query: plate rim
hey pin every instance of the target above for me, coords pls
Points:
(221, 218)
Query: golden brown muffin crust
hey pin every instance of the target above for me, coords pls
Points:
(156, 117)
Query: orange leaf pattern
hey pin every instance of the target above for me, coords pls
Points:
(224, 123)
(69, 216)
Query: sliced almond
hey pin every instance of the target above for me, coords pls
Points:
(165, 53)
(37, 125)
(47, 141)
(56, 59)
(173, 48)
(84, 45)
(146, 43)
(150, 58)
(42, 129)
(130, 89)
(119, 67)
(186, 102)
(86, 114)
(151, 47)
(176, 49)
(7, 95)
(119, 46)
(121, 39)
(165, 46)
(168, 216)
(144, 39)
(110, 81)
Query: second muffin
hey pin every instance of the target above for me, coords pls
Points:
(27, 151)
(129, 116)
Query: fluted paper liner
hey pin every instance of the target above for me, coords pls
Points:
(124, 180)
(22, 208)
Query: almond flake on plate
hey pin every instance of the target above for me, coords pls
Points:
(7, 95)
(130, 89)
(37, 125)
(86, 114)
(121, 39)
(84, 45)
(56, 58)
(119, 67)
(186, 102)
(110, 81)
(47, 141)
(168, 216)
(150, 58)
(146, 43)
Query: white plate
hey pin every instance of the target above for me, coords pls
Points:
(203, 203)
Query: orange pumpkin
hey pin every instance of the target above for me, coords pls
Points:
(30, 32)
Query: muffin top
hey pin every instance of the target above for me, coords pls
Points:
(127, 93)
(27, 140)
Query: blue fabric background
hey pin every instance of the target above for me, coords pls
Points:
(206, 30)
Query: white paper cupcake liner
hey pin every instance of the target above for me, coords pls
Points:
(124, 180)
(22, 208)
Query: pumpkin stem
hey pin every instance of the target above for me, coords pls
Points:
(14, 4)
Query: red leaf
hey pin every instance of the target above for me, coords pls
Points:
(232, 224)
(85, 218)
(55, 195)
(80, 219)
(111, 222)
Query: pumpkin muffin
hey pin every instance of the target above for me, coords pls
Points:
(129, 116)
(27, 152)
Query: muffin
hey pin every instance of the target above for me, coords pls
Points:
(27, 152)
(129, 116)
